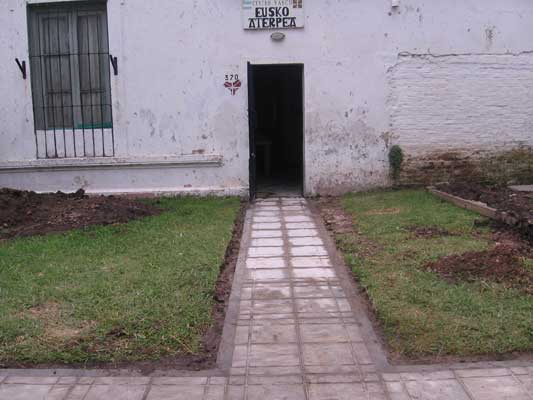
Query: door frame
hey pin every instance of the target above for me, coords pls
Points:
(252, 124)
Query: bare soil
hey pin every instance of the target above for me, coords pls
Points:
(501, 264)
(517, 205)
(24, 213)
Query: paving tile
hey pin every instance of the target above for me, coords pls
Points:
(361, 353)
(257, 219)
(516, 371)
(306, 241)
(23, 392)
(32, 380)
(266, 225)
(275, 371)
(267, 234)
(267, 213)
(268, 262)
(58, 392)
(354, 333)
(344, 305)
(312, 291)
(241, 334)
(274, 334)
(337, 391)
(298, 218)
(275, 318)
(272, 306)
(233, 392)
(301, 232)
(397, 391)
(67, 380)
(276, 392)
(267, 242)
(497, 388)
(313, 305)
(218, 380)
(334, 370)
(327, 354)
(309, 251)
(118, 392)
(337, 291)
(78, 392)
(436, 390)
(271, 291)
(122, 380)
(268, 274)
(271, 207)
(275, 380)
(293, 208)
(274, 355)
(314, 273)
(483, 372)
(300, 225)
(310, 262)
(240, 355)
(214, 393)
(333, 378)
(527, 382)
(265, 251)
(176, 392)
(323, 333)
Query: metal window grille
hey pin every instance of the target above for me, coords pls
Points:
(70, 78)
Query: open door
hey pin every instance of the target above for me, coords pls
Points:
(276, 128)
(252, 123)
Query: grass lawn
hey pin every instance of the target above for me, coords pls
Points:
(422, 315)
(137, 291)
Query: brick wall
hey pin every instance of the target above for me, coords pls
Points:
(467, 117)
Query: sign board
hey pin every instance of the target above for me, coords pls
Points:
(273, 14)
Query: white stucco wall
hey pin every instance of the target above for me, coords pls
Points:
(361, 93)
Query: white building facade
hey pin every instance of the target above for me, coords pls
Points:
(135, 96)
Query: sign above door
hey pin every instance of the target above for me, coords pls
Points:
(273, 14)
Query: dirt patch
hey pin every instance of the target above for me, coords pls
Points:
(429, 231)
(24, 213)
(52, 318)
(503, 263)
(517, 206)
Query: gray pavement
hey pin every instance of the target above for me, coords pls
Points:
(295, 329)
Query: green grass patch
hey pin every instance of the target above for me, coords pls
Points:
(137, 291)
(423, 315)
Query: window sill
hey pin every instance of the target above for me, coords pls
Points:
(182, 161)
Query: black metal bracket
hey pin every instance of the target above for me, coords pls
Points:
(22, 67)
(114, 63)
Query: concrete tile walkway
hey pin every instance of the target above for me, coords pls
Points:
(296, 331)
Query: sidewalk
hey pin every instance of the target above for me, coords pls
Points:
(295, 330)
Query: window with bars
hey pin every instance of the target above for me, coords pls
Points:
(70, 77)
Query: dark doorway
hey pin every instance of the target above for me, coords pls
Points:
(276, 129)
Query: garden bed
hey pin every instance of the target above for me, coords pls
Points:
(147, 294)
(512, 207)
(443, 284)
(25, 213)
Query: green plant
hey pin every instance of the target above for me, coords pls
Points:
(396, 160)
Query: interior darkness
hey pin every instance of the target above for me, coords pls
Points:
(279, 129)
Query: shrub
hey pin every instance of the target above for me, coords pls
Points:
(395, 161)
